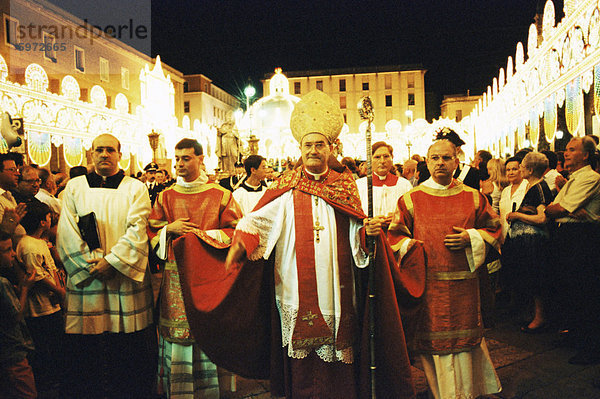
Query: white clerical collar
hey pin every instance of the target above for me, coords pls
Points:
(318, 176)
(202, 179)
(432, 184)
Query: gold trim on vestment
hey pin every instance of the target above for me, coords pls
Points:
(446, 276)
(156, 223)
(171, 266)
(197, 189)
(396, 247)
(489, 239)
(441, 193)
(312, 342)
(433, 335)
(173, 324)
(476, 199)
(409, 204)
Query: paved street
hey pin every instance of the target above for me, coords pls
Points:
(529, 367)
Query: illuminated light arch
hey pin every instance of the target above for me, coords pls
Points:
(549, 20)
(73, 151)
(121, 103)
(3, 69)
(36, 78)
(39, 148)
(69, 88)
(125, 161)
(98, 96)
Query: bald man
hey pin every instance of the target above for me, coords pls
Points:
(111, 340)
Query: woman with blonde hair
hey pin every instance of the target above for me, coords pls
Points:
(497, 182)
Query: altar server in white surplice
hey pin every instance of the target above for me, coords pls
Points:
(387, 187)
(253, 187)
(111, 341)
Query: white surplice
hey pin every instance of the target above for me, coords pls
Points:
(385, 198)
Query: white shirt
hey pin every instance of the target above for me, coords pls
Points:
(385, 198)
(507, 200)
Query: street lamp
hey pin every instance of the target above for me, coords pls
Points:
(249, 92)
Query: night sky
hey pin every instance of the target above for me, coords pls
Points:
(462, 44)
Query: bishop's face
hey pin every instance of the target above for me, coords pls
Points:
(315, 151)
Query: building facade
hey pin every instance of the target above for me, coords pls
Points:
(207, 103)
(458, 106)
(394, 90)
(71, 81)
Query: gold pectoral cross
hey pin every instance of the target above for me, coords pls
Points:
(317, 227)
(309, 317)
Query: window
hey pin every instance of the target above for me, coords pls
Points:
(104, 75)
(206, 87)
(49, 52)
(125, 78)
(186, 87)
(411, 98)
(410, 80)
(297, 89)
(320, 85)
(388, 100)
(458, 115)
(388, 82)
(365, 86)
(342, 84)
(342, 102)
(10, 29)
(79, 59)
(345, 118)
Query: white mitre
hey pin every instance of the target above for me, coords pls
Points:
(316, 112)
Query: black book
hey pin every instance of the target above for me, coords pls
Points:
(89, 230)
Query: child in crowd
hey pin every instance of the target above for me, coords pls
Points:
(16, 376)
(43, 309)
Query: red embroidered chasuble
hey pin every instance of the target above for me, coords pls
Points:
(211, 207)
(451, 320)
(233, 314)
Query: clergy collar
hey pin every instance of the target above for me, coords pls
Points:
(200, 180)
(317, 177)
(432, 184)
(387, 180)
(96, 181)
(250, 188)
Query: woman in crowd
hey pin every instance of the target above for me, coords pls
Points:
(497, 182)
(524, 251)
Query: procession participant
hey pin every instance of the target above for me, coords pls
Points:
(306, 312)
(464, 173)
(111, 340)
(253, 187)
(387, 187)
(456, 225)
(576, 209)
(234, 179)
(191, 205)
(152, 185)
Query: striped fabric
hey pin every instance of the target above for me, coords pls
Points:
(123, 303)
(185, 372)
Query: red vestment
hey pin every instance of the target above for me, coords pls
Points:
(451, 319)
(211, 207)
(234, 317)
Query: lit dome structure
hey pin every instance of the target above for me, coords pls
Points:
(269, 120)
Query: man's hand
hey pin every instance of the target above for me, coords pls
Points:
(560, 182)
(181, 226)
(513, 216)
(236, 254)
(373, 226)
(102, 270)
(455, 242)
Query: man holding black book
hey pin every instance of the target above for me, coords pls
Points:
(102, 241)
